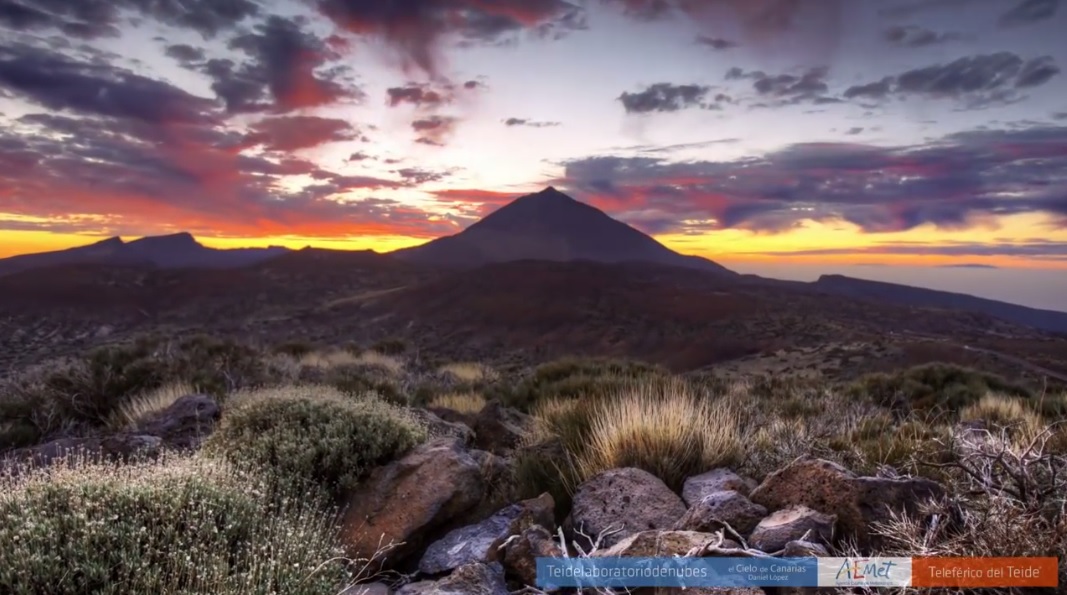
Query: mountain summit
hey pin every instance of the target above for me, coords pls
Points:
(549, 225)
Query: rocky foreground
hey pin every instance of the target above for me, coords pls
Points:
(427, 524)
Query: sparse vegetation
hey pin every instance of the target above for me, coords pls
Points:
(934, 388)
(573, 378)
(136, 409)
(169, 527)
(468, 372)
(466, 403)
(313, 435)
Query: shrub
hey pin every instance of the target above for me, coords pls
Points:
(573, 378)
(359, 380)
(169, 527)
(469, 372)
(313, 435)
(939, 388)
(665, 429)
(294, 348)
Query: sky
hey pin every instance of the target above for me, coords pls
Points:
(914, 141)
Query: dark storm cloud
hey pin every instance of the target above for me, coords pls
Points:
(1029, 11)
(292, 133)
(101, 18)
(417, 95)
(60, 83)
(663, 97)
(434, 130)
(716, 43)
(913, 36)
(186, 54)
(283, 72)
(959, 181)
(976, 81)
(415, 28)
(529, 123)
(854, 131)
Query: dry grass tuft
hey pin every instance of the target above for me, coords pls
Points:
(666, 429)
(134, 411)
(1007, 412)
(391, 363)
(467, 403)
(469, 372)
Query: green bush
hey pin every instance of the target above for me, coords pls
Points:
(933, 388)
(171, 527)
(313, 435)
(571, 378)
(361, 379)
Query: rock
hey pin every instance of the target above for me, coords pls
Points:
(520, 554)
(804, 549)
(403, 502)
(789, 524)
(657, 544)
(185, 424)
(472, 579)
(439, 428)
(858, 502)
(626, 501)
(481, 542)
(728, 506)
(498, 429)
(717, 480)
(451, 416)
(368, 589)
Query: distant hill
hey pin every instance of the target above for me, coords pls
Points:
(906, 295)
(179, 250)
(550, 226)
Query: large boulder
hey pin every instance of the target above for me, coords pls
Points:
(472, 579)
(481, 542)
(181, 426)
(521, 553)
(623, 502)
(400, 504)
(696, 488)
(440, 428)
(185, 424)
(499, 429)
(858, 502)
(791, 524)
(716, 508)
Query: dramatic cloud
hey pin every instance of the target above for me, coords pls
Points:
(786, 89)
(60, 83)
(529, 123)
(963, 180)
(123, 174)
(1029, 11)
(292, 133)
(282, 73)
(434, 130)
(663, 97)
(976, 81)
(417, 28)
(101, 18)
(417, 95)
(912, 36)
(716, 43)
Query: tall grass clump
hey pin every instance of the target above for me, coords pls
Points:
(934, 388)
(575, 378)
(174, 526)
(136, 409)
(666, 429)
(313, 435)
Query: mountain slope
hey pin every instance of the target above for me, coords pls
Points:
(552, 226)
(906, 295)
(179, 250)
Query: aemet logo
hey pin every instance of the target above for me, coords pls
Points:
(856, 569)
(864, 572)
